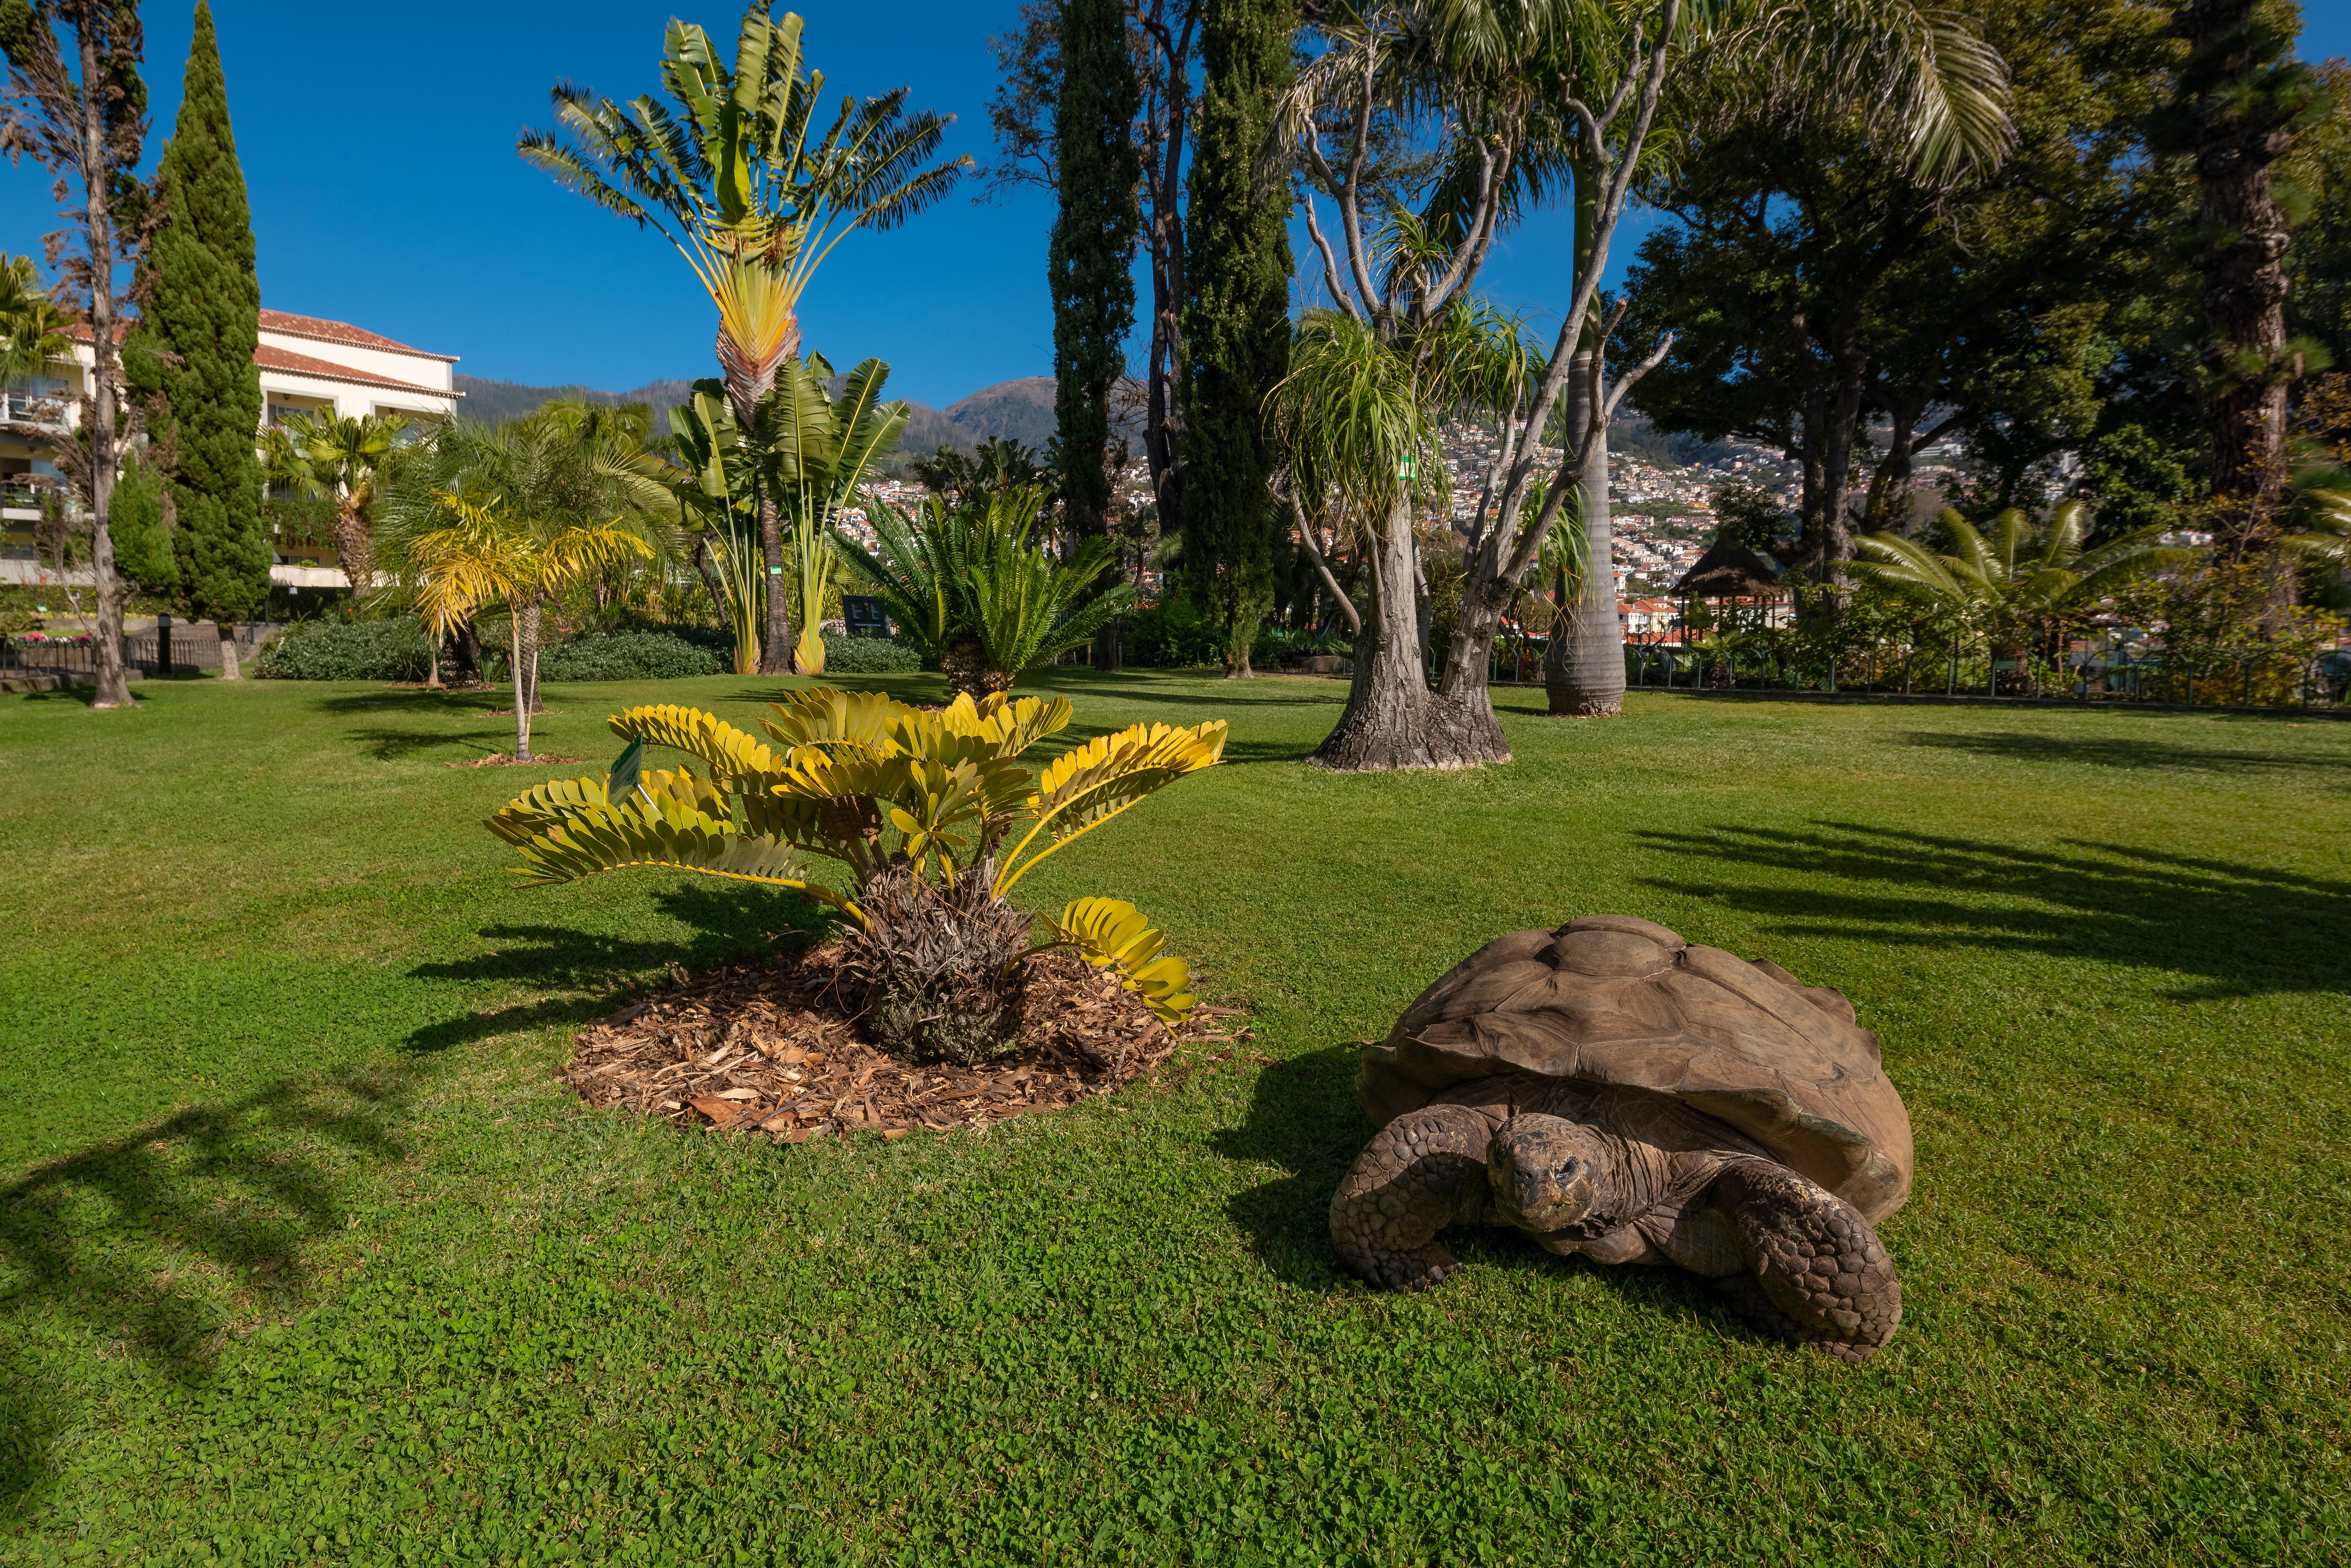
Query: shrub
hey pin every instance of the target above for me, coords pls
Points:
(869, 657)
(393, 650)
(627, 657)
(1172, 634)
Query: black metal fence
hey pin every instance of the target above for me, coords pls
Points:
(151, 653)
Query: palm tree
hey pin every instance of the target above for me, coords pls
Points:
(487, 552)
(739, 182)
(968, 587)
(341, 458)
(32, 324)
(542, 477)
(2021, 585)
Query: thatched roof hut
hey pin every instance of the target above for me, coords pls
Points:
(1730, 570)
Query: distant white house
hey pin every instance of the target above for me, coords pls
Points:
(306, 364)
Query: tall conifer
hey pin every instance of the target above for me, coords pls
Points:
(1090, 265)
(1235, 316)
(201, 318)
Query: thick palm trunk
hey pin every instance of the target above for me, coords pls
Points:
(776, 651)
(1583, 668)
(1392, 719)
(352, 551)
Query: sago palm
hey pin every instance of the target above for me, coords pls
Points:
(970, 587)
(920, 806)
(739, 179)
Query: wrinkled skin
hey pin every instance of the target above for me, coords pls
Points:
(1621, 1176)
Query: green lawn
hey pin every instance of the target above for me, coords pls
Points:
(303, 1251)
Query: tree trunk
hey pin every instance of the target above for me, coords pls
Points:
(1109, 655)
(522, 699)
(229, 671)
(352, 551)
(1583, 669)
(1392, 719)
(112, 674)
(527, 665)
(776, 651)
(432, 670)
(2244, 108)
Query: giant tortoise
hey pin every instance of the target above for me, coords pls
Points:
(1614, 1091)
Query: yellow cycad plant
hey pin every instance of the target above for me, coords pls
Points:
(919, 805)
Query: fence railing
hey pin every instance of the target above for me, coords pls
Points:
(193, 647)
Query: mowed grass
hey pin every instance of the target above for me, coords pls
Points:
(303, 1253)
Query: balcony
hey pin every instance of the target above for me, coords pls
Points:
(27, 408)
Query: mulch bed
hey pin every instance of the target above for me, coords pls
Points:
(776, 1051)
(507, 760)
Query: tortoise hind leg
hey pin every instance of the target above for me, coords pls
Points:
(1424, 1171)
(1818, 1274)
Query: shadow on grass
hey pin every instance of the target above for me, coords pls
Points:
(419, 699)
(159, 1239)
(1305, 1118)
(2246, 929)
(399, 745)
(2114, 751)
(729, 924)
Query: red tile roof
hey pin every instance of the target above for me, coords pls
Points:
(269, 357)
(343, 332)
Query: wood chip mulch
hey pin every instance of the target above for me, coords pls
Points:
(505, 760)
(776, 1051)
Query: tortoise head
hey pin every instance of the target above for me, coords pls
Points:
(1544, 1170)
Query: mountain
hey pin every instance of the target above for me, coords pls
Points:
(493, 401)
(1020, 409)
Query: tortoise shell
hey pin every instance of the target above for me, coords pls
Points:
(1612, 999)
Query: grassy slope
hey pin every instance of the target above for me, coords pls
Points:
(300, 1248)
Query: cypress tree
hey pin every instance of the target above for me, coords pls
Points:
(1235, 316)
(200, 320)
(1089, 267)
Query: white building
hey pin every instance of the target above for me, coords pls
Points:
(308, 364)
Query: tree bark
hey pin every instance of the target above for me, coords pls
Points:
(527, 666)
(112, 672)
(229, 670)
(522, 701)
(1583, 668)
(1392, 719)
(776, 650)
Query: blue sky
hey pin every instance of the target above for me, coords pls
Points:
(377, 143)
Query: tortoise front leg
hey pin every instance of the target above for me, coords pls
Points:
(1819, 1275)
(1424, 1171)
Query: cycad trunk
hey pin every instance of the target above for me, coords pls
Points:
(1583, 669)
(937, 964)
